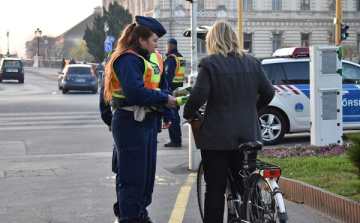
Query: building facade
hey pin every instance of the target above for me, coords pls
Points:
(267, 24)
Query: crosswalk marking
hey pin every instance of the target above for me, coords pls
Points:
(49, 120)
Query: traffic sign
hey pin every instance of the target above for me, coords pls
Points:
(108, 46)
(111, 39)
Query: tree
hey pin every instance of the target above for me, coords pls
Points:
(117, 17)
(80, 53)
(349, 51)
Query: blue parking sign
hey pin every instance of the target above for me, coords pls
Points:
(108, 46)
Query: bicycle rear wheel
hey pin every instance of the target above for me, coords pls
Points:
(261, 206)
(200, 188)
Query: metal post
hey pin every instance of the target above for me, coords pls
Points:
(194, 153)
(240, 24)
(338, 22)
(106, 29)
(7, 35)
(38, 33)
(38, 45)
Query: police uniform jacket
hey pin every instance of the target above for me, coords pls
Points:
(129, 69)
(234, 88)
(105, 109)
(169, 68)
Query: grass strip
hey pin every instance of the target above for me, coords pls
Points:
(335, 174)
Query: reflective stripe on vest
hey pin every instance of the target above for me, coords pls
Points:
(151, 77)
(157, 58)
(180, 69)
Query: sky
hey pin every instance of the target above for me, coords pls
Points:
(53, 17)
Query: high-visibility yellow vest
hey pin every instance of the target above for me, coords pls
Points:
(179, 70)
(151, 76)
(157, 58)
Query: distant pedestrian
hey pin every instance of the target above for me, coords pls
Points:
(63, 63)
(99, 70)
(72, 61)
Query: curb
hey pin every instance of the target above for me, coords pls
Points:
(324, 201)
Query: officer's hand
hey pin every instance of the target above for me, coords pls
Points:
(166, 125)
(171, 102)
(109, 128)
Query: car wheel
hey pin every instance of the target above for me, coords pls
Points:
(0, 79)
(95, 90)
(64, 91)
(273, 126)
(21, 80)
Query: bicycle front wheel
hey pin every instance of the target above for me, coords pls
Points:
(261, 205)
(200, 189)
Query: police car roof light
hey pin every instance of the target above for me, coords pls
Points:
(292, 52)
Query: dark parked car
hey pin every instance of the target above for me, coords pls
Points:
(11, 69)
(77, 77)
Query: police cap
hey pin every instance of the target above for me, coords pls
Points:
(152, 23)
(172, 41)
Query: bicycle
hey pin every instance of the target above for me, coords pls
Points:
(261, 199)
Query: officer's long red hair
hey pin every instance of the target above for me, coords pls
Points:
(129, 40)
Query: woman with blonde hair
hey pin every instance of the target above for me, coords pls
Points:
(133, 86)
(234, 87)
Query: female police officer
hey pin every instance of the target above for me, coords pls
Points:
(132, 88)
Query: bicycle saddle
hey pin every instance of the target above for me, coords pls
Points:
(250, 146)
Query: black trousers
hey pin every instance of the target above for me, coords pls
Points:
(216, 164)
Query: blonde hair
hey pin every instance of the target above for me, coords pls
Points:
(129, 40)
(222, 39)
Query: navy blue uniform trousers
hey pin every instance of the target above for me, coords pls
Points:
(136, 151)
(175, 128)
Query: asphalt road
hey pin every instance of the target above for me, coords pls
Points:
(55, 161)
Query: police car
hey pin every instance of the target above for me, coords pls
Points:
(289, 111)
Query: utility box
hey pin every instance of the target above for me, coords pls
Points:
(326, 124)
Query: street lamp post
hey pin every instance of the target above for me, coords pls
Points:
(38, 35)
(106, 29)
(7, 35)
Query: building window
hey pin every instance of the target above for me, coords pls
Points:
(331, 39)
(248, 42)
(358, 5)
(248, 5)
(332, 5)
(276, 42)
(305, 5)
(358, 42)
(276, 5)
(305, 41)
(200, 4)
(201, 46)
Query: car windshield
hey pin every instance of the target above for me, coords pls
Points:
(12, 63)
(350, 74)
(79, 70)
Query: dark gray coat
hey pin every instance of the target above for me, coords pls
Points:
(234, 88)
